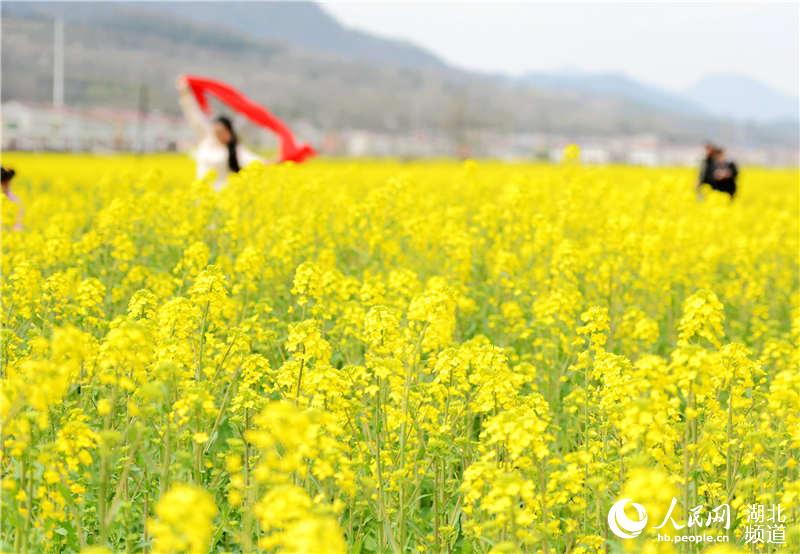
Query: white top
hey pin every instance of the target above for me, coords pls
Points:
(211, 154)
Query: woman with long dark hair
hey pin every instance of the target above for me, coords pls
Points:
(218, 147)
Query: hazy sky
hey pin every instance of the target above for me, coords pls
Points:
(671, 45)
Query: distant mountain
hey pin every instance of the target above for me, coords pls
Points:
(728, 96)
(741, 97)
(305, 66)
(303, 24)
(615, 85)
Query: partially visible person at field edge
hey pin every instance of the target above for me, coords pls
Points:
(718, 172)
(218, 147)
(6, 174)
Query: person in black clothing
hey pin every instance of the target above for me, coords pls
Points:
(717, 172)
(725, 173)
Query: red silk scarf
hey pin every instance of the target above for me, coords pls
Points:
(290, 149)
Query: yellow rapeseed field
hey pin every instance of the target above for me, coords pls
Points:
(357, 356)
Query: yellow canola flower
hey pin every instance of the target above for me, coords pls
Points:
(391, 356)
(184, 520)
